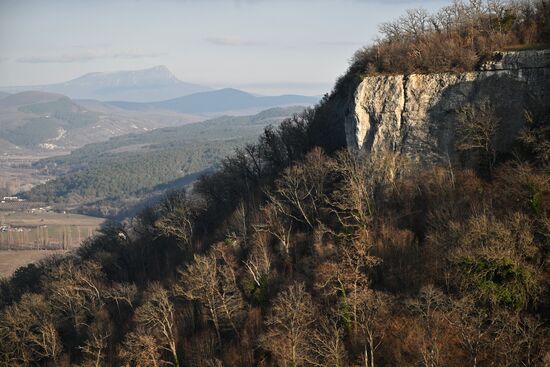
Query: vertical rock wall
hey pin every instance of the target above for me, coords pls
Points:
(416, 114)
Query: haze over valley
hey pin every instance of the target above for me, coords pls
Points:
(42, 122)
(107, 144)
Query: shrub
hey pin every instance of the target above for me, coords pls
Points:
(499, 281)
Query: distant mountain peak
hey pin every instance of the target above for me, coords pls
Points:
(160, 69)
(156, 83)
(156, 75)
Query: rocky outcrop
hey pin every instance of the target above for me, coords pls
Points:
(416, 114)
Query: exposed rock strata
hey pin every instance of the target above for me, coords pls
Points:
(416, 114)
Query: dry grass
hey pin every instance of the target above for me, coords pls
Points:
(46, 231)
(11, 260)
(19, 219)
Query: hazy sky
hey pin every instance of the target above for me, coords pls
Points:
(263, 46)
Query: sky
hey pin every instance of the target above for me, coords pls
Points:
(261, 46)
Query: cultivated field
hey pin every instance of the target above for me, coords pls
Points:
(10, 260)
(28, 237)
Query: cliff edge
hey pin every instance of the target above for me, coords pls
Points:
(417, 114)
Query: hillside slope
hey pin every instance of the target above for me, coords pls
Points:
(131, 167)
(299, 251)
(42, 122)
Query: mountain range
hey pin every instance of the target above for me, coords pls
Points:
(146, 85)
(40, 121)
(217, 101)
(43, 121)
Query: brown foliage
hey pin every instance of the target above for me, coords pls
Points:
(457, 38)
(289, 326)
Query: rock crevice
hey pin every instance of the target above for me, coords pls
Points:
(416, 114)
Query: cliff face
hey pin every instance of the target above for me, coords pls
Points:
(416, 114)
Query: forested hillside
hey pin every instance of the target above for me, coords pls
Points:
(296, 252)
(39, 122)
(32, 118)
(129, 166)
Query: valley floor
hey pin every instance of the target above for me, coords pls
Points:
(27, 237)
(10, 260)
(17, 174)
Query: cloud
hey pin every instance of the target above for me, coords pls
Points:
(233, 41)
(84, 56)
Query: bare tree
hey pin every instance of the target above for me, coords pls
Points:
(76, 291)
(326, 346)
(536, 133)
(178, 218)
(362, 180)
(520, 340)
(534, 341)
(278, 225)
(477, 130)
(289, 327)
(348, 279)
(46, 338)
(429, 302)
(415, 22)
(96, 345)
(157, 317)
(122, 293)
(353, 200)
(474, 327)
(28, 334)
(258, 263)
(300, 192)
(140, 348)
(372, 310)
(215, 286)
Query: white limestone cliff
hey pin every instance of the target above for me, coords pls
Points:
(416, 114)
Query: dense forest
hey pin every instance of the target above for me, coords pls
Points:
(296, 252)
(104, 178)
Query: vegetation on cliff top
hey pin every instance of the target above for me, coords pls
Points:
(457, 38)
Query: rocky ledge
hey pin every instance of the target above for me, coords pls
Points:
(416, 114)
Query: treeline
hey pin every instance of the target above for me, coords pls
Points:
(457, 38)
(32, 132)
(290, 256)
(220, 128)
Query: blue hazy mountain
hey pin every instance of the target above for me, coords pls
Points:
(152, 84)
(217, 101)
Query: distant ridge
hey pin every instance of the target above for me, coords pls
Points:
(217, 101)
(146, 85)
(43, 121)
(28, 97)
